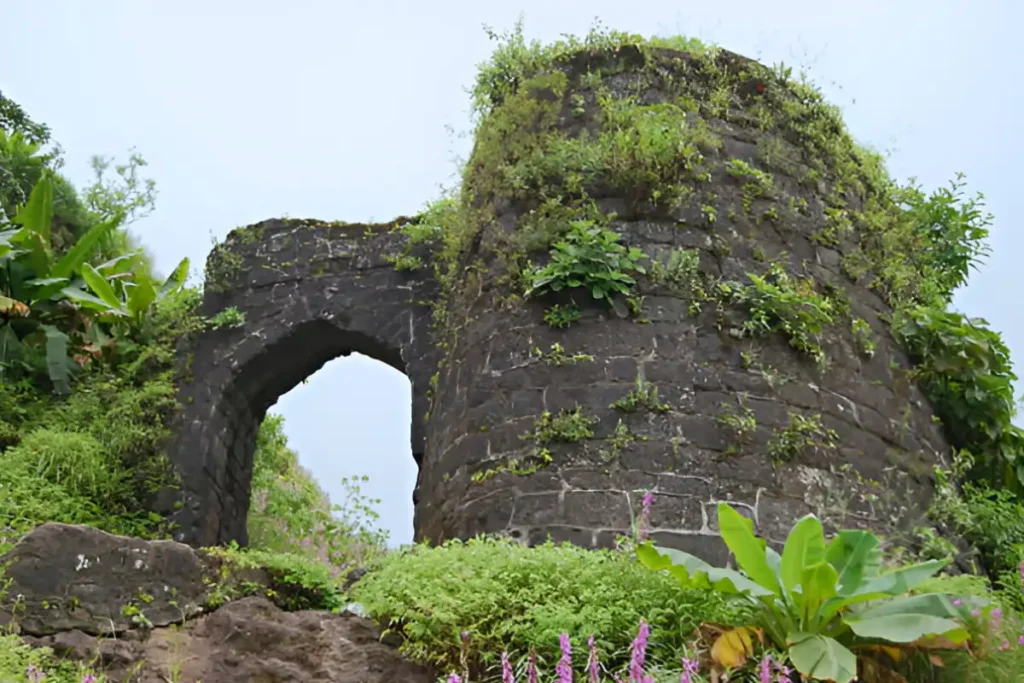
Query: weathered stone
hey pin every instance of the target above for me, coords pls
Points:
(247, 640)
(76, 577)
(312, 291)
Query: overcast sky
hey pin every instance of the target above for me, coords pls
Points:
(338, 110)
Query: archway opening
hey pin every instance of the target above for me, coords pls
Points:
(347, 431)
(353, 419)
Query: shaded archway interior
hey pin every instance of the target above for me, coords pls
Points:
(257, 386)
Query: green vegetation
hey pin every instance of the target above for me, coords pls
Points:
(742, 423)
(802, 432)
(520, 599)
(87, 383)
(557, 356)
(644, 395)
(777, 303)
(829, 606)
(588, 258)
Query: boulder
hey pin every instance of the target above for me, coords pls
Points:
(136, 610)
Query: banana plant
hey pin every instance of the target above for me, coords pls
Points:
(122, 300)
(819, 601)
(42, 298)
(31, 280)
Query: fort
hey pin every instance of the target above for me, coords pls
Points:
(663, 273)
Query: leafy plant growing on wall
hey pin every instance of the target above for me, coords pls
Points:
(827, 605)
(588, 257)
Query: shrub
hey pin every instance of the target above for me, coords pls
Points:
(73, 460)
(514, 598)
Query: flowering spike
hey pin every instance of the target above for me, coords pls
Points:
(531, 668)
(564, 668)
(592, 663)
(636, 662)
(506, 669)
(645, 516)
(690, 667)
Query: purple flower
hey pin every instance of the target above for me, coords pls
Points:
(636, 662)
(1020, 567)
(690, 667)
(592, 663)
(506, 669)
(455, 678)
(1020, 640)
(645, 516)
(88, 678)
(766, 669)
(957, 602)
(564, 668)
(33, 673)
(531, 668)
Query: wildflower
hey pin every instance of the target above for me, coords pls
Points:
(1020, 640)
(592, 663)
(975, 613)
(531, 668)
(645, 516)
(636, 662)
(690, 667)
(1020, 567)
(506, 669)
(88, 678)
(766, 669)
(784, 672)
(957, 602)
(564, 668)
(33, 674)
(1005, 645)
(455, 678)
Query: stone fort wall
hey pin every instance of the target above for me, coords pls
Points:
(537, 431)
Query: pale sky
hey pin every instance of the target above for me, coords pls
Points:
(338, 110)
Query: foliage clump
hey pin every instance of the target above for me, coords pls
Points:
(520, 599)
(776, 302)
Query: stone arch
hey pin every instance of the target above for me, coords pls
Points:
(305, 292)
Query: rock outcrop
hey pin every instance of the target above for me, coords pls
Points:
(137, 611)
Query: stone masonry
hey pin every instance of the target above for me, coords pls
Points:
(312, 291)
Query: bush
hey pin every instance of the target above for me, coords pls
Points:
(510, 597)
(73, 460)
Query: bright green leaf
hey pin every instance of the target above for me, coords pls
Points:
(36, 216)
(176, 279)
(101, 287)
(903, 579)
(88, 300)
(906, 628)
(856, 556)
(140, 298)
(77, 254)
(805, 548)
(821, 657)
(58, 364)
(737, 532)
